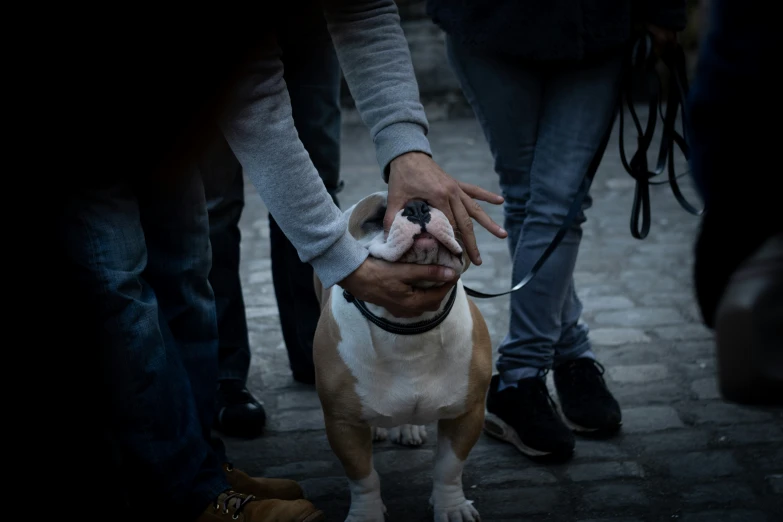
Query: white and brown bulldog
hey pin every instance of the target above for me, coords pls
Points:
(376, 372)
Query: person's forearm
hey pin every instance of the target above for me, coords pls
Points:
(376, 62)
(259, 127)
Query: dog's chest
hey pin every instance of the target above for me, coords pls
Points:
(408, 379)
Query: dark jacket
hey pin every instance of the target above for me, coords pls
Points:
(551, 29)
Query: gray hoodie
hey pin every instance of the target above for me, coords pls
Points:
(376, 62)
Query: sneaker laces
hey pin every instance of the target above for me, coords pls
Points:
(584, 372)
(537, 389)
(237, 502)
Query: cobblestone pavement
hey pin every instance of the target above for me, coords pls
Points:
(683, 453)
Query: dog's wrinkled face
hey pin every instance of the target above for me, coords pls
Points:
(419, 234)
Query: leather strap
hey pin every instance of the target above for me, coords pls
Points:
(400, 328)
(642, 55)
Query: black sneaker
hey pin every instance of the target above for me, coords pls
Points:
(237, 412)
(586, 403)
(526, 417)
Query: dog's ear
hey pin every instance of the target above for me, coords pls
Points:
(366, 217)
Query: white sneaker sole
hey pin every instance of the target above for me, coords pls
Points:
(496, 428)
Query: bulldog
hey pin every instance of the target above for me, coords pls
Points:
(379, 376)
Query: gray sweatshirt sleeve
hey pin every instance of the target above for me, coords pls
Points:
(377, 66)
(259, 127)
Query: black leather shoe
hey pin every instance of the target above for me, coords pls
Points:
(237, 412)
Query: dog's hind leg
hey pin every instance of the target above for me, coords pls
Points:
(408, 435)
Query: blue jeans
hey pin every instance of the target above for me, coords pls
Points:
(143, 256)
(544, 124)
(312, 76)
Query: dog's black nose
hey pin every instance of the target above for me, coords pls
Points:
(417, 211)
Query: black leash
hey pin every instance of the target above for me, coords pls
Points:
(641, 52)
(642, 55)
(400, 328)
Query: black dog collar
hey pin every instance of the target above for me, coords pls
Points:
(398, 328)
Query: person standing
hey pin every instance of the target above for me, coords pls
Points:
(312, 77)
(543, 81)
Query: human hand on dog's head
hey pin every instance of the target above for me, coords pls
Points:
(416, 176)
(392, 286)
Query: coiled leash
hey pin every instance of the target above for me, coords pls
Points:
(640, 54)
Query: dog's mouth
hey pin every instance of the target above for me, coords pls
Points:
(420, 242)
(424, 239)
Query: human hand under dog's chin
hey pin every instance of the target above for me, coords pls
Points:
(390, 285)
(415, 175)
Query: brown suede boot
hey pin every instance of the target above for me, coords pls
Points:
(260, 487)
(232, 506)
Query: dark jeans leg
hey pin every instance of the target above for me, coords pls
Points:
(312, 74)
(142, 257)
(224, 187)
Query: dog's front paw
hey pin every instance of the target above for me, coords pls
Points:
(409, 435)
(379, 434)
(464, 512)
(367, 512)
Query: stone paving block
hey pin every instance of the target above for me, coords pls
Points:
(590, 289)
(689, 351)
(664, 299)
(739, 515)
(639, 373)
(586, 449)
(725, 413)
(681, 440)
(608, 496)
(703, 465)
(606, 302)
(651, 281)
(604, 471)
(764, 458)
(650, 418)
(516, 502)
(325, 487)
(706, 388)
(403, 459)
(719, 493)
(624, 519)
(532, 476)
(303, 468)
(640, 317)
(293, 420)
(661, 392)
(255, 312)
(750, 434)
(683, 332)
(775, 483)
(298, 399)
(262, 277)
(618, 336)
